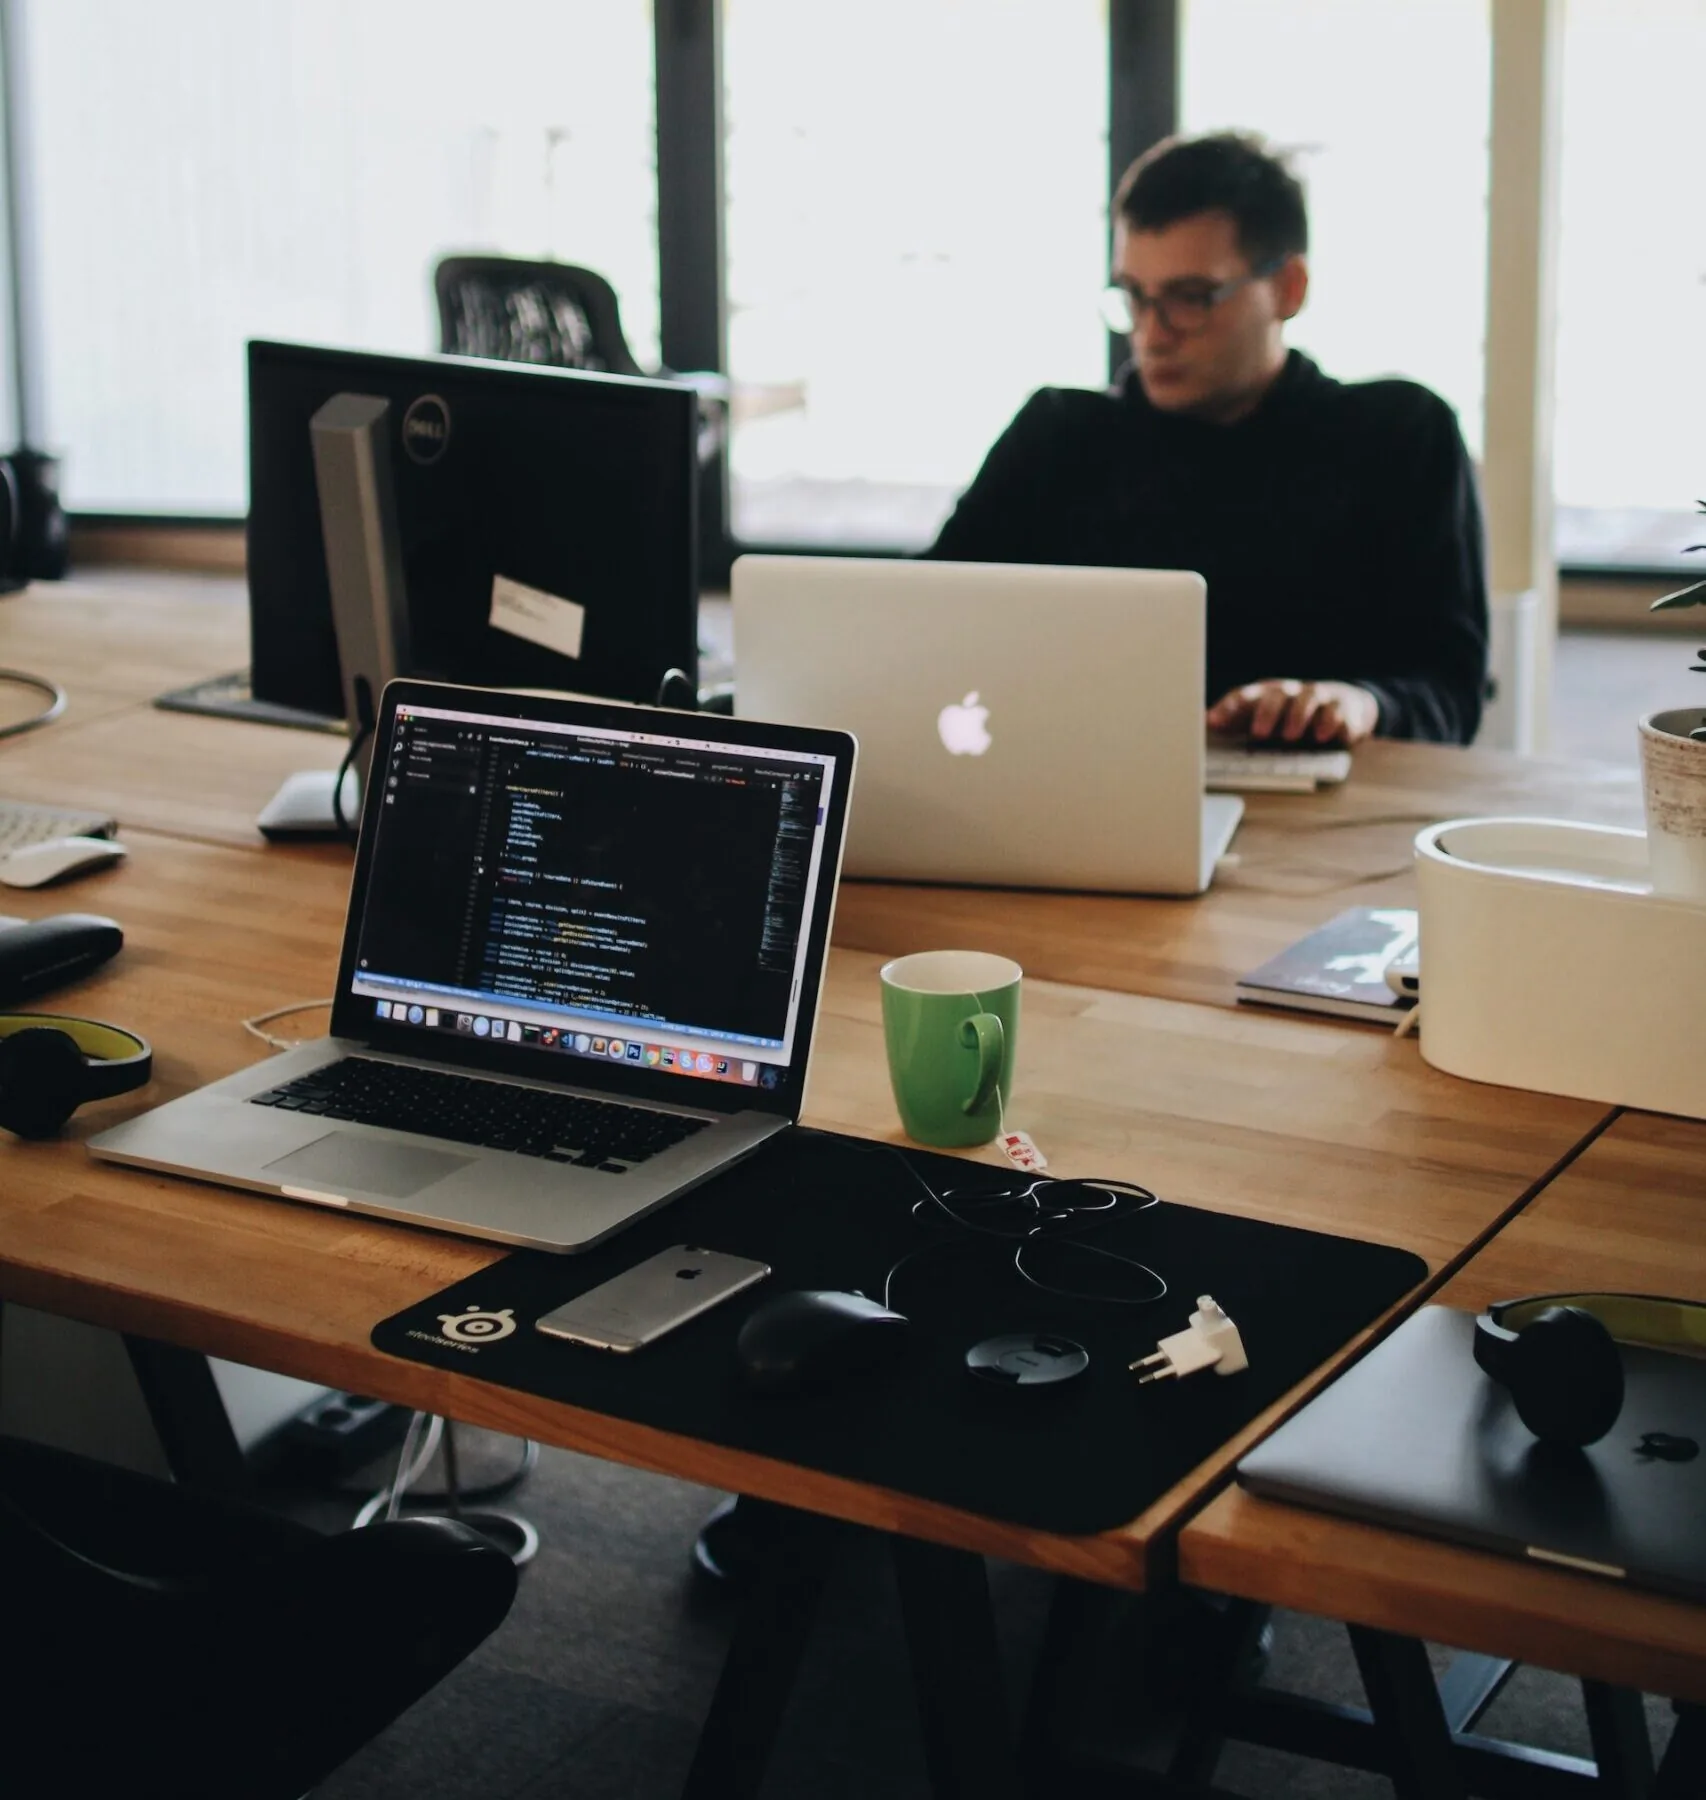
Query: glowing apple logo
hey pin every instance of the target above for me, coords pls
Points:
(962, 728)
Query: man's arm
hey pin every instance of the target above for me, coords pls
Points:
(1427, 660)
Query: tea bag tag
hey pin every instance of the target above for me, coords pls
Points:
(1017, 1147)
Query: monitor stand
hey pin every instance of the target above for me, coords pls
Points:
(302, 807)
(364, 570)
(231, 697)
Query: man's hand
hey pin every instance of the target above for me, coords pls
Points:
(1297, 712)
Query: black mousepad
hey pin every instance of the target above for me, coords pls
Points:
(827, 1211)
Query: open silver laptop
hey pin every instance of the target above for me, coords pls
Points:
(1019, 725)
(580, 972)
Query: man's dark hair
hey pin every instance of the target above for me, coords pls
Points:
(1227, 171)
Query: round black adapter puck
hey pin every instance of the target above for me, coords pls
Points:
(1027, 1359)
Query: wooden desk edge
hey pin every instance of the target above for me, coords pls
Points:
(1370, 1575)
(1134, 1556)
(1113, 1558)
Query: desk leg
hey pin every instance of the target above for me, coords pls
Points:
(1622, 1750)
(956, 1670)
(1682, 1774)
(1072, 1615)
(770, 1636)
(1234, 1648)
(188, 1415)
(1404, 1699)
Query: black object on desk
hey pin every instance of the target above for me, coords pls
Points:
(42, 954)
(828, 1211)
(811, 1338)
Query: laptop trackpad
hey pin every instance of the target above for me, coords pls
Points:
(343, 1160)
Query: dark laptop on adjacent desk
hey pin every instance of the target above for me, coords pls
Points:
(580, 972)
(1417, 1437)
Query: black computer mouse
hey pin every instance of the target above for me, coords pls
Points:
(815, 1337)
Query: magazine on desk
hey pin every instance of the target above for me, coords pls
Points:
(1342, 968)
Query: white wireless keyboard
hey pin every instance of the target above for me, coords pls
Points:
(22, 823)
(1240, 770)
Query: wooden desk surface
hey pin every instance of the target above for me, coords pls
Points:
(1292, 1119)
(1629, 1214)
(115, 646)
(182, 774)
(1301, 858)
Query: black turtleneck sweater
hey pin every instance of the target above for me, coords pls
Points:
(1337, 527)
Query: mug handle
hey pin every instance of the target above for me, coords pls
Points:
(986, 1032)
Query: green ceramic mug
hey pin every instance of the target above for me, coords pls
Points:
(951, 1023)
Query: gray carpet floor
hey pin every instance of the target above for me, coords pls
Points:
(595, 1686)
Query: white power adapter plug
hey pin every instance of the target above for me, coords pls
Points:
(1211, 1341)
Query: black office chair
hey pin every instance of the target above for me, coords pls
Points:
(567, 317)
(155, 1641)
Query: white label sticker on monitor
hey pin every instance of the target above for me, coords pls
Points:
(540, 618)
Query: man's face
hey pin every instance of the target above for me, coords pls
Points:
(1220, 368)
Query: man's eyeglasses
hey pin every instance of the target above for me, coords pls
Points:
(1184, 307)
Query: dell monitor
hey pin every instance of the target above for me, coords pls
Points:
(546, 520)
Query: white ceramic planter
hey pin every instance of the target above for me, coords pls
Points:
(1548, 963)
(1673, 779)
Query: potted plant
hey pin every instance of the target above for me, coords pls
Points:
(1673, 778)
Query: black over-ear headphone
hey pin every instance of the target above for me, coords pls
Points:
(51, 1064)
(1558, 1356)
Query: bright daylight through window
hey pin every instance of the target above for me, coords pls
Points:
(1631, 386)
(1398, 235)
(916, 242)
(200, 173)
(916, 225)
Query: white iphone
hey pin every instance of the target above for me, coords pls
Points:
(642, 1303)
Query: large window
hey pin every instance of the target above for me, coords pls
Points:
(914, 228)
(1385, 107)
(199, 172)
(917, 235)
(1631, 389)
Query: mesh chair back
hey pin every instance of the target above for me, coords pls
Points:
(531, 312)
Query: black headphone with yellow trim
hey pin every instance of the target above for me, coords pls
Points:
(1558, 1356)
(50, 1064)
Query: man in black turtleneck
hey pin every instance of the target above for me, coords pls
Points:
(1336, 525)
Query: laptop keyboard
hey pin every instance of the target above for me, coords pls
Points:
(564, 1128)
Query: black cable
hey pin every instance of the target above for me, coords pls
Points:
(55, 700)
(355, 744)
(1049, 1210)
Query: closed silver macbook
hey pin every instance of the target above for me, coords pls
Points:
(1018, 725)
(580, 973)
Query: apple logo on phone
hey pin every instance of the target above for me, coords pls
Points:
(962, 727)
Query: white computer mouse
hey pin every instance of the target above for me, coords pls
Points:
(53, 859)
